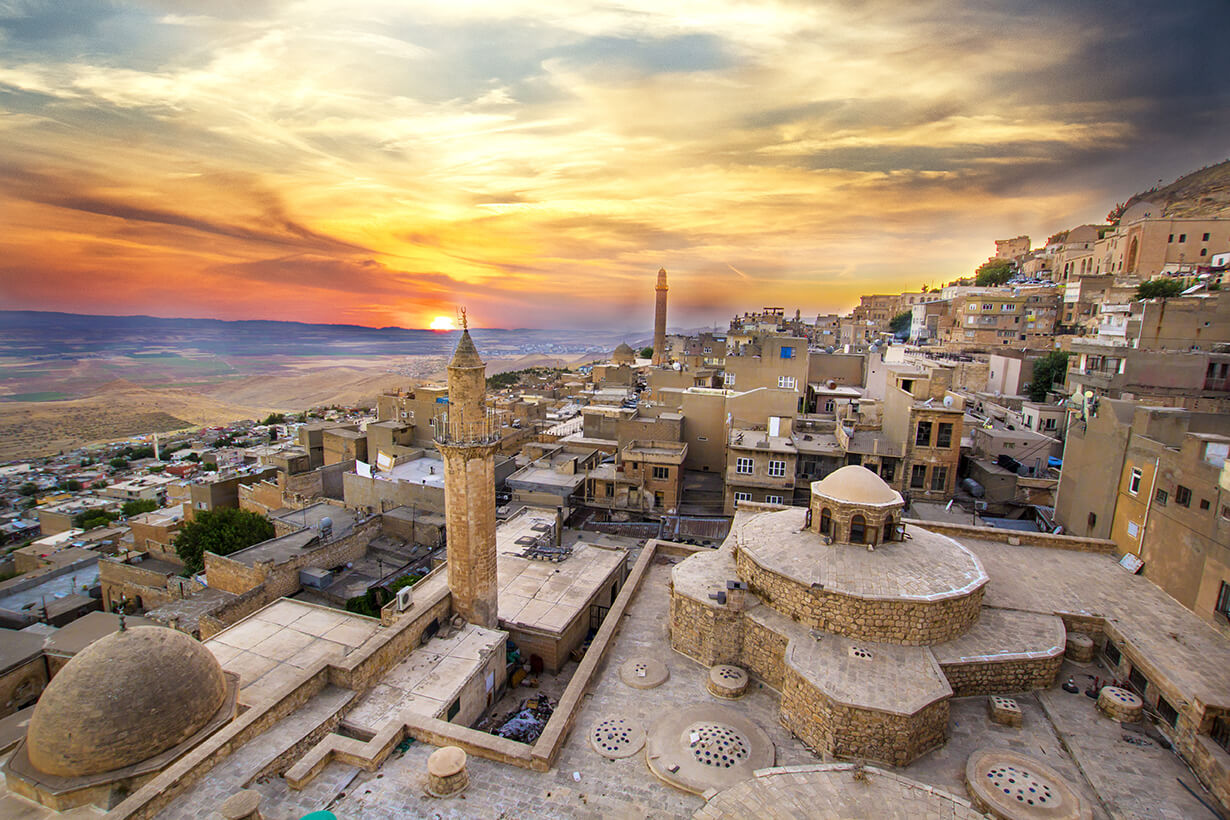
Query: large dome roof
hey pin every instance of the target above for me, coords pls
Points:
(857, 485)
(125, 698)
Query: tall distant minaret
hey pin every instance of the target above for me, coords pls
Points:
(467, 437)
(659, 319)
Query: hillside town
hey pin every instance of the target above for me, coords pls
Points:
(849, 533)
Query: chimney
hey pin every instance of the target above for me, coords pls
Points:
(736, 593)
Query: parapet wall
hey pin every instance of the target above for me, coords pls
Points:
(1018, 538)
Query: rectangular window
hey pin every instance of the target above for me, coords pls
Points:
(773, 499)
(1182, 237)
(1161, 497)
(1167, 712)
(1112, 654)
(1182, 496)
(777, 469)
(742, 497)
(1134, 482)
(1204, 503)
(743, 466)
(828, 406)
(786, 382)
(988, 307)
(661, 473)
(943, 436)
(922, 437)
(886, 471)
(1171, 239)
(939, 479)
(729, 379)
(787, 352)
(1049, 425)
(1206, 237)
(610, 490)
(1223, 601)
(918, 476)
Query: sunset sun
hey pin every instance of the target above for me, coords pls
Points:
(443, 323)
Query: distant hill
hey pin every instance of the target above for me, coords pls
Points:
(1201, 193)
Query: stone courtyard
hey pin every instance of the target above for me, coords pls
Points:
(1118, 778)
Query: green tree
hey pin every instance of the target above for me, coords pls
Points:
(92, 519)
(132, 508)
(1051, 368)
(156, 468)
(1159, 289)
(274, 418)
(210, 468)
(193, 457)
(900, 324)
(221, 531)
(646, 353)
(118, 464)
(72, 485)
(993, 272)
(28, 489)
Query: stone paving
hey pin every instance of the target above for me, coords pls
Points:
(605, 788)
(835, 792)
(232, 774)
(1118, 779)
(1192, 654)
(1135, 778)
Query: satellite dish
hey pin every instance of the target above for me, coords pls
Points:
(831, 384)
(948, 401)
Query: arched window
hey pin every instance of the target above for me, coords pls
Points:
(858, 528)
(826, 521)
(1132, 251)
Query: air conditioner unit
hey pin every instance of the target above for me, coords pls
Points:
(405, 597)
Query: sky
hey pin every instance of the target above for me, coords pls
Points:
(383, 163)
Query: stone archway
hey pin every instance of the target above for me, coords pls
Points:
(1133, 252)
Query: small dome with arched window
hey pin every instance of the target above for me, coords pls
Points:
(853, 505)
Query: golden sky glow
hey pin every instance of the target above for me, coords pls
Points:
(380, 163)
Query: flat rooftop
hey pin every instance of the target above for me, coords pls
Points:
(548, 477)
(276, 644)
(284, 547)
(547, 595)
(425, 470)
(428, 680)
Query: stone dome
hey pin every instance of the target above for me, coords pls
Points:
(624, 350)
(125, 698)
(854, 484)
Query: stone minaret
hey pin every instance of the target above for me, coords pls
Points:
(659, 319)
(467, 437)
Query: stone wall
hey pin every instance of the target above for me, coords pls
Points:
(843, 731)
(912, 623)
(152, 588)
(996, 677)
(1016, 538)
(764, 653)
(21, 686)
(260, 497)
(707, 634)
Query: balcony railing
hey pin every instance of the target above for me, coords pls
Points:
(452, 428)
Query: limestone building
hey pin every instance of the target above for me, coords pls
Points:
(865, 627)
